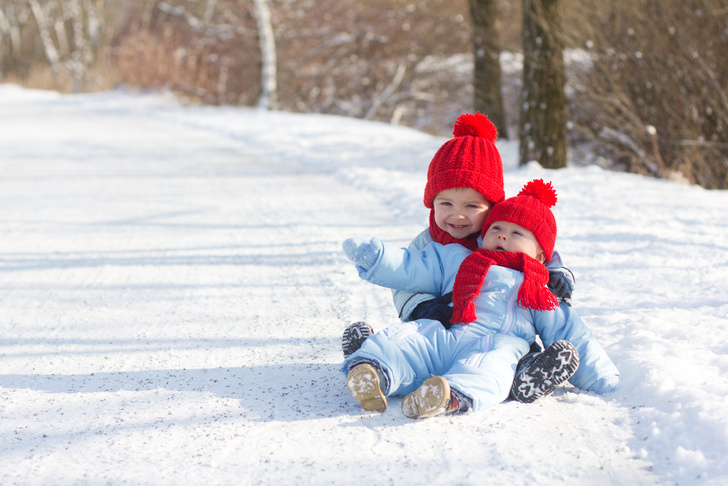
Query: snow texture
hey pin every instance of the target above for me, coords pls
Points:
(174, 293)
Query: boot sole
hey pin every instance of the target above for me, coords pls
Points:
(354, 336)
(363, 384)
(554, 366)
(428, 400)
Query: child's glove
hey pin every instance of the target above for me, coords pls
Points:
(363, 253)
(605, 385)
(561, 283)
(438, 309)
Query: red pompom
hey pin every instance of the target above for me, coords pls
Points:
(476, 125)
(543, 191)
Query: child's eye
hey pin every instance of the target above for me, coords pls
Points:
(518, 233)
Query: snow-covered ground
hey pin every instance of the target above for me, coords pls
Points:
(173, 292)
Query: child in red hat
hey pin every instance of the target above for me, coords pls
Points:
(464, 181)
(472, 364)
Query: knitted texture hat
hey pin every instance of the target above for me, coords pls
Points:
(470, 159)
(531, 208)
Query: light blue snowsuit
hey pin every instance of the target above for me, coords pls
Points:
(405, 302)
(478, 359)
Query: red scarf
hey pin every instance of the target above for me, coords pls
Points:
(444, 238)
(533, 294)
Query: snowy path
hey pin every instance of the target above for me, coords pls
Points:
(172, 300)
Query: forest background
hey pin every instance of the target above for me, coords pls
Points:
(645, 85)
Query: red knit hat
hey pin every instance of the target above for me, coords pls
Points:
(470, 159)
(530, 209)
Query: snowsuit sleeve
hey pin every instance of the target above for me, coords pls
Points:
(564, 323)
(556, 262)
(405, 302)
(430, 271)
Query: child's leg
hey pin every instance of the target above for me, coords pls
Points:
(484, 372)
(407, 354)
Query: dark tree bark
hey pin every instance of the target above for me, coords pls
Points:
(543, 101)
(487, 70)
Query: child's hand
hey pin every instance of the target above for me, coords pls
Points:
(363, 253)
(561, 283)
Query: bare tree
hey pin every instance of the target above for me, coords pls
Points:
(543, 107)
(269, 94)
(654, 99)
(206, 50)
(69, 33)
(400, 62)
(487, 78)
(43, 23)
(10, 28)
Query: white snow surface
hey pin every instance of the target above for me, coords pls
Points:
(173, 294)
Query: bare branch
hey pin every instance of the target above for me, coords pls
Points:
(181, 12)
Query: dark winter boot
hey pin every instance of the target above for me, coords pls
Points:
(354, 336)
(551, 368)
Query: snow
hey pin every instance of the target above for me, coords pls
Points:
(174, 292)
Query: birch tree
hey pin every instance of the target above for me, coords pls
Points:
(80, 55)
(269, 94)
(66, 31)
(42, 21)
(7, 42)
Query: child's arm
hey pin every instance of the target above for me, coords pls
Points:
(408, 304)
(561, 279)
(431, 271)
(596, 371)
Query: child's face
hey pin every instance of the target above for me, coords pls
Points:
(461, 211)
(505, 236)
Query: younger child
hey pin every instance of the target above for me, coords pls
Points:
(501, 302)
(464, 181)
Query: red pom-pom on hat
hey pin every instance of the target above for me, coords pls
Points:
(543, 191)
(476, 125)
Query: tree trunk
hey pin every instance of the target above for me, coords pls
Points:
(6, 47)
(543, 101)
(487, 76)
(269, 95)
(45, 36)
(80, 55)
